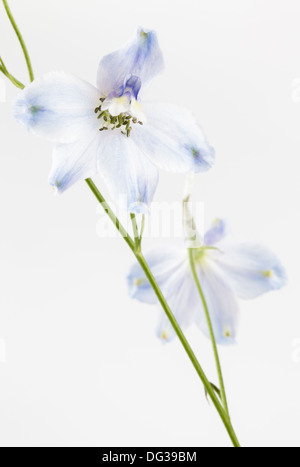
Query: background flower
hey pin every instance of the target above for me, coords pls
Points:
(226, 272)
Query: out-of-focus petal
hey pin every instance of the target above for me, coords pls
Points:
(172, 139)
(184, 301)
(58, 106)
(127, 171)
(222, 304)
(216, 233)
(74, 162)
(141, 57)
(163, 262)
(170, 268)
(252, 269)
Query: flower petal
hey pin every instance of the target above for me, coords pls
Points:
(173, 140)
(74, 162)
(216, 233)
(184, 301)
(127, 171)
(163, 261)
(252, 269)
(222, 304)
(141, 57)
(170, 268)
(58, 106)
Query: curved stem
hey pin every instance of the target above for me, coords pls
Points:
(8, 75)
(21, 40)
(211, 331)
(165, 306)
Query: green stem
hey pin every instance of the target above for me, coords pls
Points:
(165, 306)
(21, 40)
(211, 331)
(142, 228)
(111, 214)
(137, 239)
(8, 75)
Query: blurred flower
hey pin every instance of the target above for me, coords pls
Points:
(226, 272)
(134, 139)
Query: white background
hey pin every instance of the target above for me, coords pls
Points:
(83, 365)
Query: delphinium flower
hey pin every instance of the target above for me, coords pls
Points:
(108, 130)
(226, 271)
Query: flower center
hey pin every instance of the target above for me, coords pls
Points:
(124, 121)
(268, 274)
(201, 254)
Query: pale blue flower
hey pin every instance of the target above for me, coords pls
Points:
(226, 272)
(135, 138)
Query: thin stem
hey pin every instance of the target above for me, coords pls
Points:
(8, 75)
(211, 331)
(138, 236)
(165, 306)
(142, 227)
(21, 40)
(111, 214)
(135, 229)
